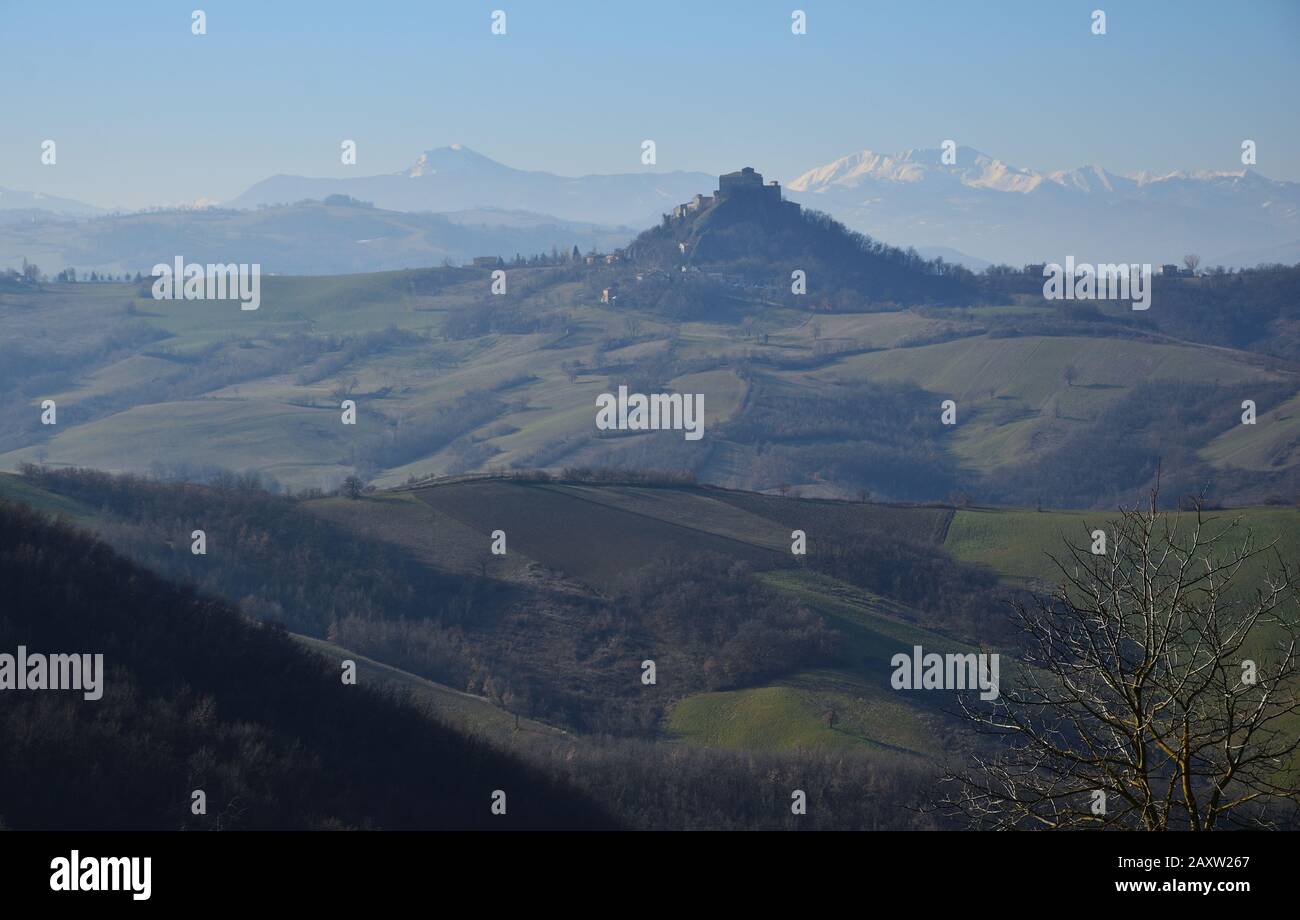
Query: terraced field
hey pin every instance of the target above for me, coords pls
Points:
(565, 529)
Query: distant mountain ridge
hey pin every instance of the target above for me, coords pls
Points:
(306, 238)
(457, 178)
(16, 200)
(979, 204)
(975, 169)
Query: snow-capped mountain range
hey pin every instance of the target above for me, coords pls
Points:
(993, 210)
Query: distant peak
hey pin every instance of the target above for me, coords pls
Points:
(452, 159)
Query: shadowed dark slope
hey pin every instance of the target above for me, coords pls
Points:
(196, 697)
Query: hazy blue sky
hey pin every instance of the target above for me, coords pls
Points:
(144, 112)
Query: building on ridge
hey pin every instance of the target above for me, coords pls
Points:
(746, 183)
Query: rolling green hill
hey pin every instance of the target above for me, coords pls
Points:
(561, 588)
(544, 645)
(449, 378)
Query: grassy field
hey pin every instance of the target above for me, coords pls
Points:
(15, 489)
(402, 519)
(1272, 443)
(814, 709)
(133, 363)
(566, 530)
(849, 707)
(1016, 543)
(294, 444)
(914, 524)
(1012, 396)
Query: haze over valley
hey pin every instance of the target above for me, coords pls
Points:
(639, 417)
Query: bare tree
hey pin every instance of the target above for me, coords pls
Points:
(1158, 691)
(1191, 262)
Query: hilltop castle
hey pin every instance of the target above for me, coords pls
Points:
(744, 183)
